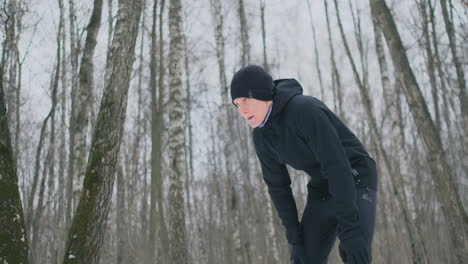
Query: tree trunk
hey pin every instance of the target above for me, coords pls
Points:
(317, 63)
(61, 209)
(426, 45)
(122, 247)
(443, 175)
(231, 194)
(157, 216)
(89, 224)
(461, 81)
(336, 79)
(14, 246)
(396, 184)
(244, 31)
(178, 239)
(188, 143)
(262, 16)
(81, 104)
(74, 80)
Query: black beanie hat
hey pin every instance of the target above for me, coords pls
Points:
(252, 82)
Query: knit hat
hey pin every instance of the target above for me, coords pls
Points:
(252, 82)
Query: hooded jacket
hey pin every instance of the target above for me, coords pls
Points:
(303, 133)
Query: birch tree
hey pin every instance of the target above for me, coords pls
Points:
(88, 227)
(178, 239)
(233, 236)
(262, 17)
(157, 227)
(244, 31)
(442, 174)
(460, 79)
(396, 182)
(81, 104)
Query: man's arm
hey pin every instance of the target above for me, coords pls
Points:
(322, 138)
(277, 178)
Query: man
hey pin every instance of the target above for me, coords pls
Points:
(298, 130)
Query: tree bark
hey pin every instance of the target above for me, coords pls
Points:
(121, 223)
(178, 239)
(442, 174)
(89, 224)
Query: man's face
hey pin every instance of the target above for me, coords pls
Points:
(252, 110)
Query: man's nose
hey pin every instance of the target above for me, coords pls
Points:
(243, 112)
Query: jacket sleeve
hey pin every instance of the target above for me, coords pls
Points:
(320, 135)
(277, 179)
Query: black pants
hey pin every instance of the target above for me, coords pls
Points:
(319, 225)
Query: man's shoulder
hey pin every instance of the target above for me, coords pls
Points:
(303, 103)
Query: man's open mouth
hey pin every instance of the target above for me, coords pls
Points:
(250, 118)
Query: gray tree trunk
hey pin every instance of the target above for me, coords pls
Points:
(430, 62)
(262, 16)
(233, 237)
(336, 79)
(89, 224)
(157, 216)
(442, 174)
(317, 63)
(244, 31)
(178, 238)
(74, 81)
(61, 207)
(461, 80)
(122, 247)
(396, 181)
(81, 104)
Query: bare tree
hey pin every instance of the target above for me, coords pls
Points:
(396, 183)
(460, 78)
(317, 64)
(233, 240)
(157, 228)
(178, 238)
(442, 174)
(244, 31)
(14, 246)
(81, 104)
(88, 227)
(262, 17)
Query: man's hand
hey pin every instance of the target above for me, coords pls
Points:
(353, 250)
(298, 254)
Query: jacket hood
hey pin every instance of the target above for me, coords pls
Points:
(284, 90)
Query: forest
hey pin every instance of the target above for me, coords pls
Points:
(119, 142)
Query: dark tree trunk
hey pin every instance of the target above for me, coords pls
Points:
(14, 242)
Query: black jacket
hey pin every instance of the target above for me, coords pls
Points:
(303, 133)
